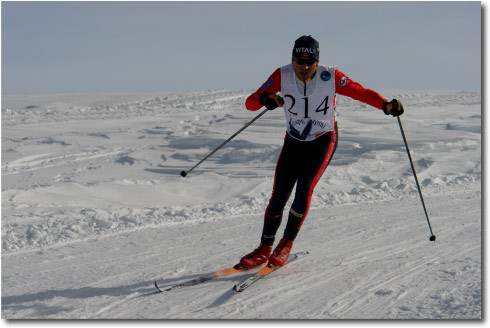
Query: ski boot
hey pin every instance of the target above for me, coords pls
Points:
(257, 257)
(281, 254)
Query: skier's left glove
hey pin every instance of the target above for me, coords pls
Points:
(271, 100)
(393, 107)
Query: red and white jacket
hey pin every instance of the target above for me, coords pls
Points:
(310, 106)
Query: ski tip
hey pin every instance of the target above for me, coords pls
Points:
(158, 288)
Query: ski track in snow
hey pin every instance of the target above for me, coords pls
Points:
(94, 209)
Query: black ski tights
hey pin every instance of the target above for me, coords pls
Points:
(301, 163)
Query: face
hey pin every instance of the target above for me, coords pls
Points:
(304, 70)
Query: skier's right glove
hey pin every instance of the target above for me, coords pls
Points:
(393, 107)
(271, 100)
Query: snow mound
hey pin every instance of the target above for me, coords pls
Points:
(91, 183)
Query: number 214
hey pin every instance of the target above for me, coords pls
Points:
(324, 104)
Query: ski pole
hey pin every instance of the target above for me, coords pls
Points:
(184, 173)
(432, 237)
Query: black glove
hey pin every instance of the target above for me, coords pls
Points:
(271, 100)
(393, 107)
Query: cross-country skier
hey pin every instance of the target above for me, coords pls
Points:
(307, 94)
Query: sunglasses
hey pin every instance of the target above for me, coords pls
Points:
(308, 62)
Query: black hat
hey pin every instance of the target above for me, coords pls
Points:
(306, 47)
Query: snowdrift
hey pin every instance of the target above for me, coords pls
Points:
(94, 209)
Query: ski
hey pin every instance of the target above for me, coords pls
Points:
(199, 280)
(268, 269)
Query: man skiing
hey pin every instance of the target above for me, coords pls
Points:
(307, 94)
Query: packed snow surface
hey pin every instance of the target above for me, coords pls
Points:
(94, 209)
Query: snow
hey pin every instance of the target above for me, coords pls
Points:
(94, 209)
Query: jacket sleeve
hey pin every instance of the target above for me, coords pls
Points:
(347, 87)
(272, 85)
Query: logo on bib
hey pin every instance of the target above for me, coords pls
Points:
(325, 76)
(343, 81)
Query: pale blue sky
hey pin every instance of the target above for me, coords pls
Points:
(88, 47)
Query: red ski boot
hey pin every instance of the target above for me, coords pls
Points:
(257, 257)
(281, 254)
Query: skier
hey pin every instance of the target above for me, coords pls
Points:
(307, 95)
